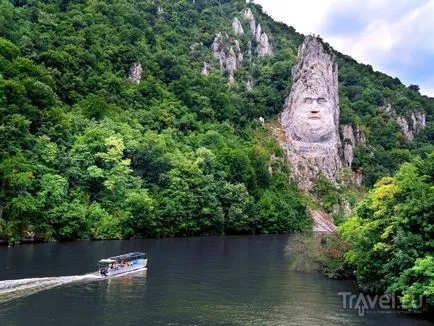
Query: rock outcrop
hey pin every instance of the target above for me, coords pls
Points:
(258, 33)
(248, 15)
(405, 128)
(322, 222)
(135, 73)
(310, 117)
(237, 27)
(350, 140)
(228, 51)
(409, 126)
(264, 46)
(249, 85)
(229, 54)
(205, 69)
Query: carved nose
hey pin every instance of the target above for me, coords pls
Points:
(314, 107)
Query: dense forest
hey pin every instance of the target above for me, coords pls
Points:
(391, 238)
(87, 153)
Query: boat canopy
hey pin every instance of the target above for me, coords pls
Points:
(125, 257)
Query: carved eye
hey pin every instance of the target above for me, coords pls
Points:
(321, 100)
(308, 100)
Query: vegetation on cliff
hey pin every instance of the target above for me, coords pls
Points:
(85, 153)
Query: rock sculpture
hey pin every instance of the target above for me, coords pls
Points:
(310, 117)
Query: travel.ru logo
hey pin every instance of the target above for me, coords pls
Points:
(365, 303)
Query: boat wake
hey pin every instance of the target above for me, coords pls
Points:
(13, 289)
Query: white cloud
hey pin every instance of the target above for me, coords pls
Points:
(396, 37)
(306, 16)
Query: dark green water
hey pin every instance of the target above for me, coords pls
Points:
(192, 281)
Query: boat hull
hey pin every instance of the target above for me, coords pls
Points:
(135, 265)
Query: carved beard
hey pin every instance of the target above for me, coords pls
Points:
(311, 127)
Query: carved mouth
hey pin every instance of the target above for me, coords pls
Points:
(314, 117)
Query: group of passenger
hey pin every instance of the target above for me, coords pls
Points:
(116, 265)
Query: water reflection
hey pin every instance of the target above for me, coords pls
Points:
(194, 281)
(124, 283)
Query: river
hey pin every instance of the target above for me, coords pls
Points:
(230, 280)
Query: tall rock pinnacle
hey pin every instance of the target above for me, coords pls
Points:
(310, 117)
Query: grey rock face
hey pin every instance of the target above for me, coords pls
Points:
(228, 52)
(310, 117)
(217, 46)
(205, 69)
(348, 154)
(240, 59)
(408, 128)
(231, 61)
(349, 143)
(248, 15)
(237, 46)
(258, 33)
(322, 222)
(135, 73)
(348, 134)
(264, 46)
(405, 128)
(237, 27)
(249, 85)
(222, 59)
(360, 136)
(419, 121)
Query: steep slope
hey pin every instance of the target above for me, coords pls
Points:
(140, 118)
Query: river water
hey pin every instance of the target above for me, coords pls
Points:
(189, 281)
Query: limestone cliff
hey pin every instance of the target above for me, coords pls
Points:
(410, 125)
(350, 139)
(230, 54)
(237, 27)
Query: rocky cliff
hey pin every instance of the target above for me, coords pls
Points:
(310, 117)
(230, 53)
(410, 125)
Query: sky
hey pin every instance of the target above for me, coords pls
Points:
(393, 36)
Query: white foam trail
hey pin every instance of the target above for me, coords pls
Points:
(13, 289)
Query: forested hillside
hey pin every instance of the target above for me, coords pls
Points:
(87, 153)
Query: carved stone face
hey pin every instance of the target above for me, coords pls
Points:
(312, 118)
